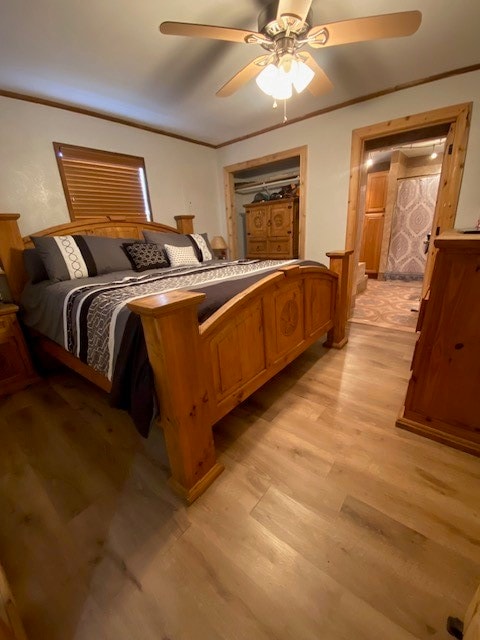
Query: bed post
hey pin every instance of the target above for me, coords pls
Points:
(170, 324)
(339, 264)
(184, 223)
(11, 256)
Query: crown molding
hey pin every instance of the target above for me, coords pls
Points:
(349, 103)
(102, 116)
(144, 127)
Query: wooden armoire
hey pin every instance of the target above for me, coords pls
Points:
(375, 203)
(272, 229)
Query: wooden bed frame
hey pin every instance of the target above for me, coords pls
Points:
(203, 371)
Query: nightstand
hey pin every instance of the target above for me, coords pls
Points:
(16, 369)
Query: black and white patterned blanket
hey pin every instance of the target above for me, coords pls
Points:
(95, 315)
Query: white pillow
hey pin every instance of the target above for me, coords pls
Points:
(181, 256)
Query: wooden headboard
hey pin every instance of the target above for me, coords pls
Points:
(12, 244)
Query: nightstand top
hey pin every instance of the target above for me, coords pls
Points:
(7, 307)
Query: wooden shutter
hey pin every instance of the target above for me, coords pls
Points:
(100, 183)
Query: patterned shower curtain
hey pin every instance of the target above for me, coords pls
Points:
(412, 220)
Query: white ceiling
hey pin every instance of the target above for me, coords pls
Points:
(109, 55)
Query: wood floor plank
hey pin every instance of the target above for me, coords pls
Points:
(351, 550)
(328, 522)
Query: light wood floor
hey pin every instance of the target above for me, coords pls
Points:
(327, 524)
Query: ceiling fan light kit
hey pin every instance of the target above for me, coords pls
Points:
(277, 80)
(284, 28)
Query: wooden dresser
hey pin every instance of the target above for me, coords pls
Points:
(443, 396)
(272, 229)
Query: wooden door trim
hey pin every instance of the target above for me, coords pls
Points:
(228, 181)
(458, 115)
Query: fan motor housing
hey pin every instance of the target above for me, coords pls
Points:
(271, 27)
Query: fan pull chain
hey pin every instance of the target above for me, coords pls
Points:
(274, 104)
(284, 111)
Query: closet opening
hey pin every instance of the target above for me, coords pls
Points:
(265, 205)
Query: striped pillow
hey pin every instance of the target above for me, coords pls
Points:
(203, 249)
(81, 256)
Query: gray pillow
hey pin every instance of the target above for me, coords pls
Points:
(34, 266)
(173, 239)
(108, 253)
(71, 257)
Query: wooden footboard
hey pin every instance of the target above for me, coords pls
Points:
(202, 372)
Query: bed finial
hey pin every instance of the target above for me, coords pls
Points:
(185, 223)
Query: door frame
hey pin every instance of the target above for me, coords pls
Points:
(458, 117)
(229, 186)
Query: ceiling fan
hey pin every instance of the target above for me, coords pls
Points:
(284, 29)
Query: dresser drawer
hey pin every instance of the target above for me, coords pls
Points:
(257, 247)
(281, 248)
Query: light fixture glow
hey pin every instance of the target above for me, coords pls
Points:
(304, 75)
(369, 162)
(277, 80)
(266, 79)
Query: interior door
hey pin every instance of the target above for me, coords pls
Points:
(372, 241)
(375, 201)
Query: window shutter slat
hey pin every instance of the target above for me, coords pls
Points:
(100, 183)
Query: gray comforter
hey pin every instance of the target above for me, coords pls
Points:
(88, 316)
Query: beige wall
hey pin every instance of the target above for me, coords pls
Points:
(185, 178)
(328, 138)
(181, 175)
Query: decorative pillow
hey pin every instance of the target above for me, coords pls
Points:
(108, 253)
(173, 239)
(202, 245)
(145, 255)
(65, 258)
(34, 266)
(181, 256)
(70, 257)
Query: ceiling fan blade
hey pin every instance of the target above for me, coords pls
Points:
(248, 72)
(298, 8)
(391, 25)
(321, 82)
(206, 31)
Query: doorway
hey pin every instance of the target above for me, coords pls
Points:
(298, 156)
(457, 120)
(397, 213)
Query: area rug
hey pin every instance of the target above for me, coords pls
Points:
(391, 304)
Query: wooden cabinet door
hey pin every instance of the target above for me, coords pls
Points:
(372, 241)
(257, 219)
(280, 223)
(376, 195)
